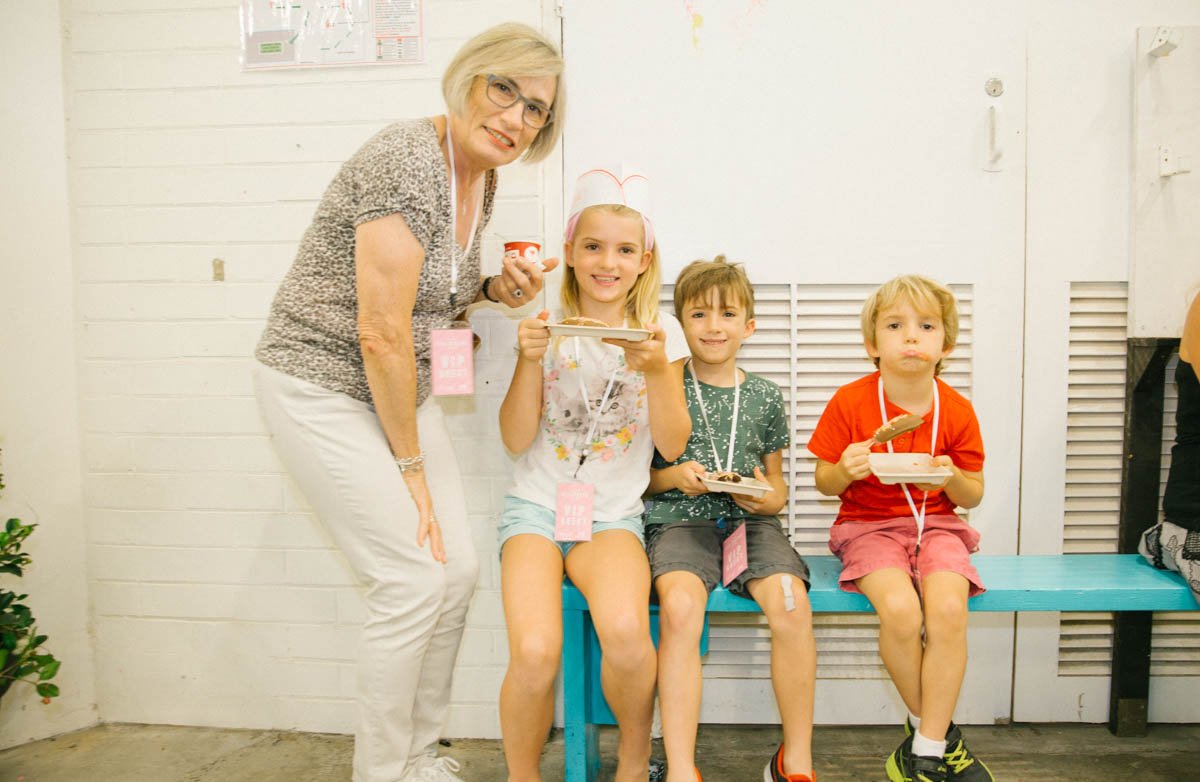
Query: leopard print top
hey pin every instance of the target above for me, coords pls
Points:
(312, 330)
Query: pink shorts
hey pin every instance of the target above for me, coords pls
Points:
(866, 546)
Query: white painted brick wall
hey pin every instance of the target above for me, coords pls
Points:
(217, 598)
(39, 417)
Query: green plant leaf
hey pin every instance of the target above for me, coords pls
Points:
(47, 690)
(50, 670)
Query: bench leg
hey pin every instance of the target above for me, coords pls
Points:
(1129, 694)
(1145, 379)
(581, 747)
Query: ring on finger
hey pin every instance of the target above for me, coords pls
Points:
(518, 293)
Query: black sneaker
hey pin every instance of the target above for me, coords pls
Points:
(903, 766)
(963, 765)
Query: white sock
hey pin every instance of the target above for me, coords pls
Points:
(915, 721)
(928, 748)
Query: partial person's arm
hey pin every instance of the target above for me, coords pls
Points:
(387, 264)
(521, 410)
(670, 424)
(1189, 344)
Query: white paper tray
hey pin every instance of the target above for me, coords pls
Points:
(751, 487)
(598, 332)
(907, 468)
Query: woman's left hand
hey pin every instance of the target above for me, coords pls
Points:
(520, 280)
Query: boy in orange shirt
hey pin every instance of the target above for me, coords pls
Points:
(902, 545)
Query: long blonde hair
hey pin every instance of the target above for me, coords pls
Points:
(641, 303)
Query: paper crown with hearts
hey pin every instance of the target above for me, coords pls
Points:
(601, 186)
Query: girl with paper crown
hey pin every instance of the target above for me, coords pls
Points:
(587, 406)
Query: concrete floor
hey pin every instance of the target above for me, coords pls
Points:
(1019, 753)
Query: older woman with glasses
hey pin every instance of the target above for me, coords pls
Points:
(343, 374)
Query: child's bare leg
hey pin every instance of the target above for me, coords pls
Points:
(945, 660)
(682, 600)
(531, 583)
(895, 600)
(614, 576)
(793, 665)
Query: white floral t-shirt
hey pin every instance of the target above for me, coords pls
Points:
(618, 455)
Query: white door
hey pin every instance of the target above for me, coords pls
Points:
(830, 147)
(1079, 304)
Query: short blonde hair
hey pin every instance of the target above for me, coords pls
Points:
(641, 303)
(729, 280)
(925, 294)
(512, 50)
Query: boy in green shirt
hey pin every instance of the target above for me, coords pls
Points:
(739, 427)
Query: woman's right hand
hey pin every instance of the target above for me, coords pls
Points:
(427, 524)
(533, 338)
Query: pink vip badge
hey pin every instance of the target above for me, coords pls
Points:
(734, 561)
(452, 361)
(573, 511)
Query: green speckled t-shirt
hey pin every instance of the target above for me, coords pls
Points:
(762, 429)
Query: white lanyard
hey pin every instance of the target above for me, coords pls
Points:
(454, 219)
(737, 388)
(937, 411)
(587, 405)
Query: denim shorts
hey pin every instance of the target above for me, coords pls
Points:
(522, 517)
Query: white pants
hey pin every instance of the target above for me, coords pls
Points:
(335, 448)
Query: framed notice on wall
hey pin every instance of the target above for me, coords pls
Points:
(315, 33)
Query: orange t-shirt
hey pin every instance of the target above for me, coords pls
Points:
(852, 416)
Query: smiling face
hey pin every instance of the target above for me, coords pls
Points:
(715, 327)
(491, 136)
(909, 340)
(606, 256)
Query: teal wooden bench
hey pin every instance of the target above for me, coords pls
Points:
(1072, 582)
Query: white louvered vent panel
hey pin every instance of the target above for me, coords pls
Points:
(1095, 416)
(1170, 405)
(1095, 425)
(809, 342)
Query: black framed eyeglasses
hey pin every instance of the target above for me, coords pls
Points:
(505, 94)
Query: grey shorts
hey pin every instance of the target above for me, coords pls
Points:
(695, 547)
